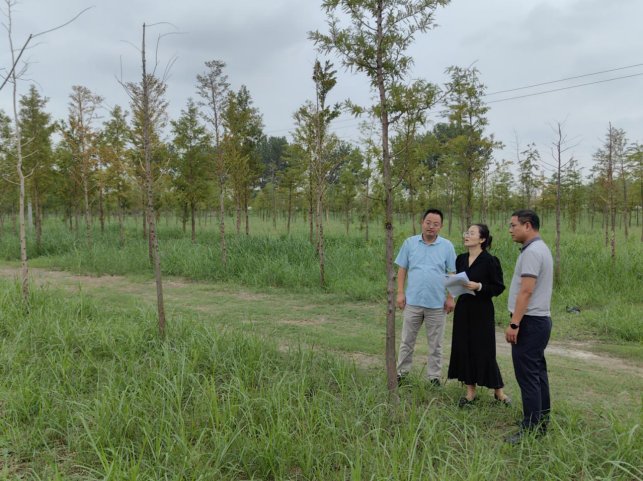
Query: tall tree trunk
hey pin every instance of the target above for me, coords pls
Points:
(87, 224)
(120, 221)
(100, 210)
(610, 183)
(222, 220)
(71, 215)
(193, 237)
(310, 208)
(367, 207)
(558, 202)
(21, 178)
(185, 216)
(391, 375)
(150, 198)
(37, 205)
(245, 204)
(289, 206)
(238, 199)
(412, 198)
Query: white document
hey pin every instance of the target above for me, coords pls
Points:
(454, 284)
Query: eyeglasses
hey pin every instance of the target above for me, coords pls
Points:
(435, 225)
(469, 234)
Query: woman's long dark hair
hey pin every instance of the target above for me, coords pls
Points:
(484, 234)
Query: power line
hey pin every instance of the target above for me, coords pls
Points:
(566, 88)
(521, 88)
(565, 79)
(332, 121)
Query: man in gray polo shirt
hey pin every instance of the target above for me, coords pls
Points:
(530, 328)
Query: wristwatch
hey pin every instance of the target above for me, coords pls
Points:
(513, 326)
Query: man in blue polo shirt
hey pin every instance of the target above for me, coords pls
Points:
(426, 258)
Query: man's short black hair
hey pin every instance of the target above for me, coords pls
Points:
(526, 215)
(434, 211)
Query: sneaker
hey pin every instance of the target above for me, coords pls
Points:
(401, 380)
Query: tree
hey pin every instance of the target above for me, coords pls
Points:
(114, 141)
(527, 170)
(324, 164)
(36, 132)
(471, 148)
(82, 139)
(635, 155)
(213, 88)
(13, 76)
(271, 151)
(243, 124)
(559, 146)
(606, 158)
(149, 107)
(375, 43)
(190, 166)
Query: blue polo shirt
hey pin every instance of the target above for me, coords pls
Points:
(426, 265)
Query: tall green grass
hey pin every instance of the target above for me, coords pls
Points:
(609, 293)
(88, 392)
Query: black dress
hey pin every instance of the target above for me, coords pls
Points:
(473, 347)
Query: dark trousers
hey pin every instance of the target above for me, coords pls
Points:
(531, 370)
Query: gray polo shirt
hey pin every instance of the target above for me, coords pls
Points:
(534, 261)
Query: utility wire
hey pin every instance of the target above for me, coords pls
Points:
(566, 88)
(563, 80)
(523, 88)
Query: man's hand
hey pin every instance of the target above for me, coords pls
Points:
(449, 305)
(512, 335)
(472, 286)
(401, 300)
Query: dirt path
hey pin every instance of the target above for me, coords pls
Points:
(175, 289)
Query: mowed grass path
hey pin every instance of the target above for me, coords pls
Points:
(583, 372)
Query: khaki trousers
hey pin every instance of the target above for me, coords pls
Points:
(434, 323)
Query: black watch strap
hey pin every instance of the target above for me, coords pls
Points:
(513, 326)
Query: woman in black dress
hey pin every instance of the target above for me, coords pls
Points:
(473, 347)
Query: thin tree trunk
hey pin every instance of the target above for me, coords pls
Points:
(310, 208)
(289, 207)
(120, 221)
(185, 216)
(367, 206)
(610, 183)
(245, 202)
(193, 237)
(238, 198)
(37, 206)
(412, 198)
(21, 177)
(100, 210)
(87, 224)
(222, 221)
(391, 376)
(150, 199)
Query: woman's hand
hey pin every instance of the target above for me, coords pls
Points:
(472, 286)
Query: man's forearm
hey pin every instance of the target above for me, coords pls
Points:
(401, 279)
(522, 302)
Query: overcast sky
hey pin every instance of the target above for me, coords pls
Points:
(264, 42)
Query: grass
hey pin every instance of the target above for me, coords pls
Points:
(608, 293)
(87, 391)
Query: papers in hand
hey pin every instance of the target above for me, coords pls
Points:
(454, 284)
